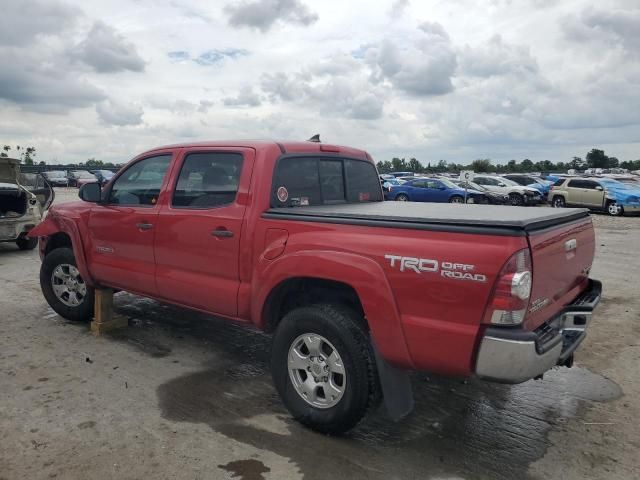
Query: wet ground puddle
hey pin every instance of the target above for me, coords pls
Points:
(468, 429)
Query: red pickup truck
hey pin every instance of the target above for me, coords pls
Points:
(295, 239)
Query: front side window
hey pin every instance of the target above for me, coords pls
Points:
(434, 185)
(577, 184)
(140, 183)
(208, 180)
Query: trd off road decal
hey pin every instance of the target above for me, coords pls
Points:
(457, 271)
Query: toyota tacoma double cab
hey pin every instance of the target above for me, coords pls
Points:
(295, 239)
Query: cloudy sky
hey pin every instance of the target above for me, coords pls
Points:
(454, 80)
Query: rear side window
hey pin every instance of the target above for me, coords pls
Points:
(140, 183)
(580, 184)
(208, 180)
(323, 181)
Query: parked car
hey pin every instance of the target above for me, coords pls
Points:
(103, 176)
(23, 200)
(440, 190)
(518, 195)
(494, 198)
(603, 194)
(543, 186)
(391, 182)
(56, 178)
(355, 291)
(78, 178)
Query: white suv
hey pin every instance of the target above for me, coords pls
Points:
(518, 194)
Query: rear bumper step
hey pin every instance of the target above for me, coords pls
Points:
(514, 356)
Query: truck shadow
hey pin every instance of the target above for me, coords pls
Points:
(458, 428)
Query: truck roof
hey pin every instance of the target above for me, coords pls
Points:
(284, 146)
(488, 219)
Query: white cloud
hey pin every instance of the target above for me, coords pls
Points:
(452, 80)
(116, 113)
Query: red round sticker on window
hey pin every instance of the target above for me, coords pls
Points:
(283, 194)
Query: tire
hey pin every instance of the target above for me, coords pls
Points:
(456, 199)
(62, 262)
(614, 209)
(359, 385)
(558, 202)
(401, 197)
(25, 243)
(516, 199)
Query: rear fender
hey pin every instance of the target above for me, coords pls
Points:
(53, 224)
(363, 274)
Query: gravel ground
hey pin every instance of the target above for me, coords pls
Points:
(185, 396)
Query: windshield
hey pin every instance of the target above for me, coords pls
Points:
(54, 174)
(449, 183)
(508, 182)
(105, 173)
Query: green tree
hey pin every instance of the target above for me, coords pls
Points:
(482, 165)
(527, 165)
(92, 162)
(5, 151)
(576, 163)
(597, 159)
(398, 164)
(28, 155)
(512, 166)
(415, 166)
(384, 167)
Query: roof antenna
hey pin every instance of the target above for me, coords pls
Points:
(315, 138)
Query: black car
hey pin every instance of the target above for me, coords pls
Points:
(56, 178)
(76, 176)
(494, 198)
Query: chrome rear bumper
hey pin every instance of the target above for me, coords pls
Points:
(510, 355)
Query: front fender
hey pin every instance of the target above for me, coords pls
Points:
(54, 224)
(363, 274)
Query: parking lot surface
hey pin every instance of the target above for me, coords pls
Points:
(182, 395)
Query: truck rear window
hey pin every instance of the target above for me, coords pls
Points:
(300, 181)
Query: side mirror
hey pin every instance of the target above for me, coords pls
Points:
(599, 188)
(90, 192)
(442, 187)
(502, 184)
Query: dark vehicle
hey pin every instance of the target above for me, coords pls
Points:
(402, 174)
(439, 190)
(494, 198)
(77, 178)
(56, 178)
(103, 176)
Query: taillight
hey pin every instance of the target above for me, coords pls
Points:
(510, 298)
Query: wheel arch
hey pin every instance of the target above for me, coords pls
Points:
(332, 277)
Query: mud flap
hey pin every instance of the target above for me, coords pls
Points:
(396, 388)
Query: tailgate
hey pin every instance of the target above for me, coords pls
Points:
(562, 257)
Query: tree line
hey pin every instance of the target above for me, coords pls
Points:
(594, 159)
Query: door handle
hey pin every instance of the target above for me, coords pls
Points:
(144, 226)
(222, 233)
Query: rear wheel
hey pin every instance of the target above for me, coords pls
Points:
(63, 286)
(456, 199)
(402, 198)
(558, 202)
(516, 199)
(323, 367)
(25, 243)
(614, 209)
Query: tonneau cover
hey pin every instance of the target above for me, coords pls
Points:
(437, 216)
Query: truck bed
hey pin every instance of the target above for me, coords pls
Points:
(490, 219)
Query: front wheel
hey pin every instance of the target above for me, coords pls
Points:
(614, 209)
(402, 198)
(516, 199)
(558, 202)
(323, 367)
(64, 288)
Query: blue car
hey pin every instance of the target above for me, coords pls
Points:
(439, 190)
